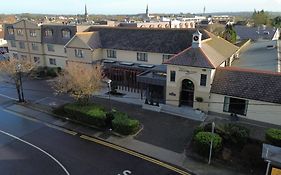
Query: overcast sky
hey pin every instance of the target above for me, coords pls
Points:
(135, 6)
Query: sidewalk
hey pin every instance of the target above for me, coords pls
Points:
(42, 113)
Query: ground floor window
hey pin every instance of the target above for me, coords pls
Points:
(235, 105)
(52, 61)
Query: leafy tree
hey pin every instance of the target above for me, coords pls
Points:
(13, 70)
(276, 22)
(229, 34)
(79, 80)
(261, 18)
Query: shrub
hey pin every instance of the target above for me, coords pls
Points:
(233, 134)
(197, 129)
(202, 142)
(124, 125)
(91, 114)
(51, 72)
(273, 136)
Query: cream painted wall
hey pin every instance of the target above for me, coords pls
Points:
(193, 74)
(88, 54)
(38, 35)
(131, 56)
(59, 50)
(257, 110)
(40, 48)
(60, 61)
(41, 58)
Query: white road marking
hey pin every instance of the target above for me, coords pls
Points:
(36, 147)
(11, 98)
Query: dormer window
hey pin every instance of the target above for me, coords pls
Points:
(65, 33)
(48, 33)
(10, 31)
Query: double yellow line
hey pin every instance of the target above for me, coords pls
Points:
(135, 154)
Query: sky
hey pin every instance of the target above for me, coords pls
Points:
(135, 6)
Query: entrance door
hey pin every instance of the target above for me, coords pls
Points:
(187, 93)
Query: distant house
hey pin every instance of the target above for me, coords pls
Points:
(256, 33)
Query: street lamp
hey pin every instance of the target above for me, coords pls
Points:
(211, 146)
(109, 91)
(18, 68)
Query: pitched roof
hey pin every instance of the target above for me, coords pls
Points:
(248, 83)
(254, 33)
(91, 39)
(155, 40)
(212, 53)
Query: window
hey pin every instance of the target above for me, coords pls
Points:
(65, 33)
(36, 60)
(203, 80)
(34, 46)
(15, 55)
(32, 33)
(24, 57)
(21, 43)
(48, 33)
(111, 53)
(165, 57)
(13, 43)
(52, 61)
(79, 53)
(50, 47)
(235, 105)
(142, 56)
(172, 76)
(65, 50)
(10, 31)
(20, 32)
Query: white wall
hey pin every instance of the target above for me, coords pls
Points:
(257, 110)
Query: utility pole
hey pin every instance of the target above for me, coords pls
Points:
(211, 145)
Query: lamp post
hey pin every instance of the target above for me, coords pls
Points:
(109, 91)
(211, 146)
(21, 99)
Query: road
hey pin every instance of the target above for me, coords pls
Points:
(28, 147)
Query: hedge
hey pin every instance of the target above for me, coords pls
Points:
(273, 136)
(202, 142)
(123, 124)
(90, 114)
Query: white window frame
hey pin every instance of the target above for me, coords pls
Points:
(20, 32)
(142, 56)
(32, 33)
(166, 57)
(50, 47)
(111, 53)
(48, 33)
(65, 33)
(79, 53)
(34, 46)
(52, 61)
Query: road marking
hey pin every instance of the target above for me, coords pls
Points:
(135, 154)
(11, 98)
(42, 122)
(36, 147)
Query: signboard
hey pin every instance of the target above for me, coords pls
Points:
(275, 171)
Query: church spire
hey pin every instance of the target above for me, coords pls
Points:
(146, 12)
(86, 13)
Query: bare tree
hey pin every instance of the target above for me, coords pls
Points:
(79, 80)
(13, 70)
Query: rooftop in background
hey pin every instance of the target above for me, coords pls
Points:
(260, 55)
(255, 33)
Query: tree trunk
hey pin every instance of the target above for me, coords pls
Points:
(18, 91)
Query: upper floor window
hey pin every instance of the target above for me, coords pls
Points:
(13, 43)
(79, 53)
(32, 33)
(203, 80)
(166, 57)
(173, 76)
(34, 46)
(111, 53)
(50, 47)
(15, 55)
(52, 61)
(20, 32)
(22, 45)
(141, 56)
(65, 33)
(10, 31)
(48, 33)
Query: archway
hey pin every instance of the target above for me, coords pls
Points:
(187, 93)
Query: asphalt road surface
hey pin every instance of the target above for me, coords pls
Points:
(28, 147)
